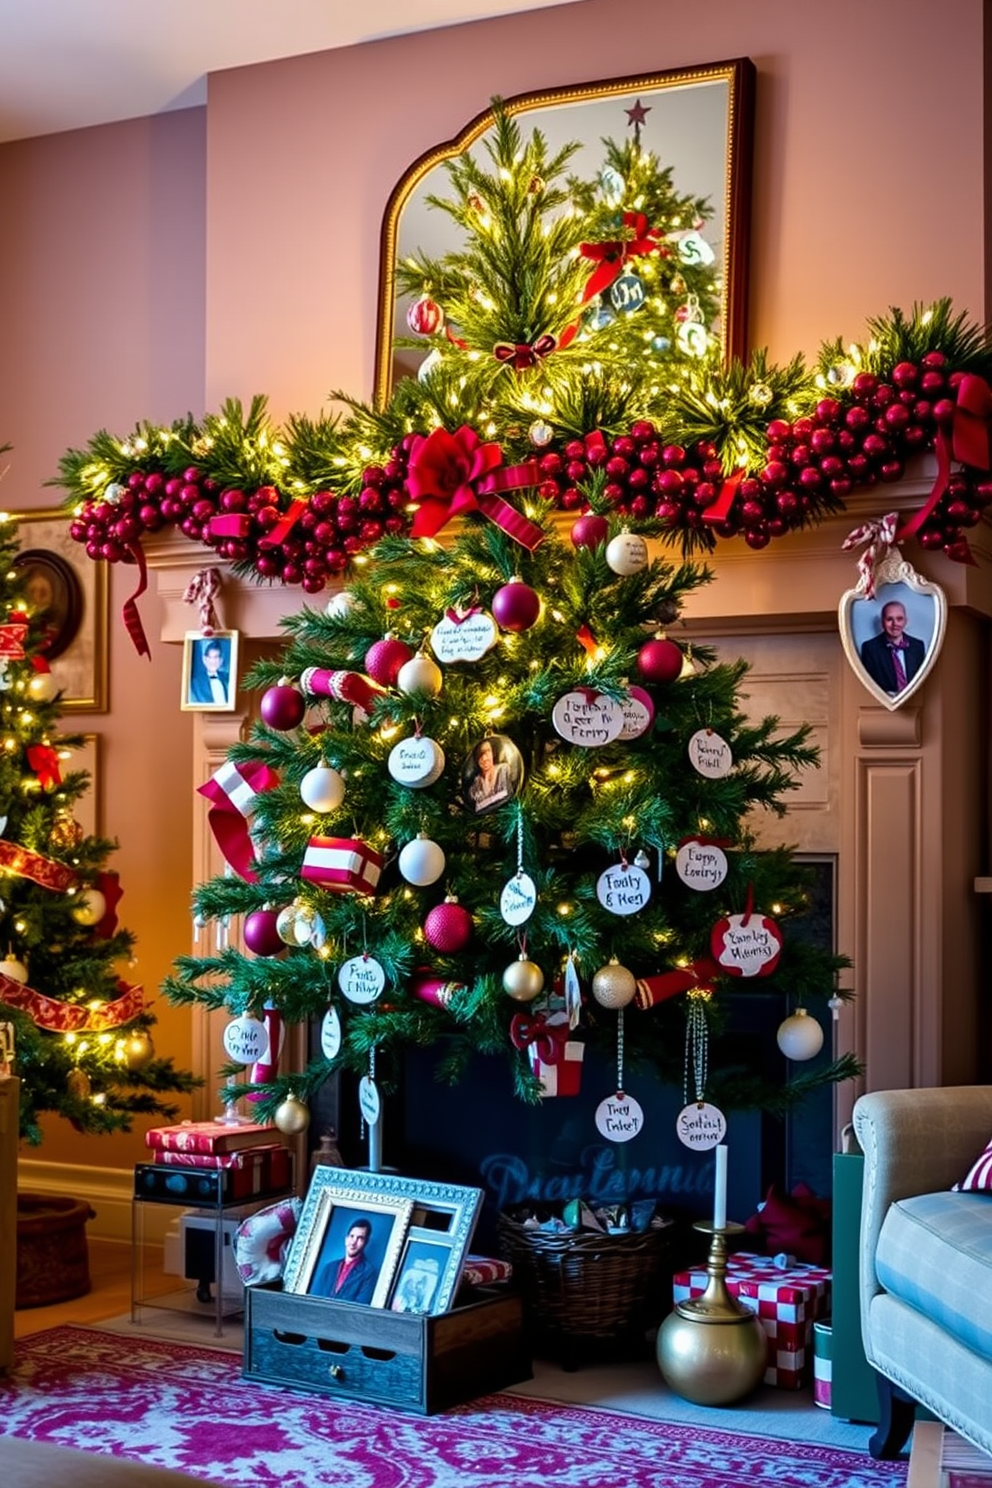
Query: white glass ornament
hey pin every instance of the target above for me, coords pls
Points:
(541, 434)
(431, 360)
(89, 908)
(619, 1117)
(286, 923)
(245, 1040)
(322, 788)
(420, 674)
(421, 862)
(800, 1037)
(340, 604)
(627, 553)
(15, 970)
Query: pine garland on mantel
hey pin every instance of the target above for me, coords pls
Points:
(569, 348)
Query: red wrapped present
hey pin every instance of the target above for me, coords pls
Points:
(342, 865)
(787, 1302)
(485, 1270)
(254, 1170)
(211, 1136)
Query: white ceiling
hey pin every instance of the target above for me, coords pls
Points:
(67, 64)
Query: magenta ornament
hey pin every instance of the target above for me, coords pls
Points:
(589, 531)
(282, 707)
(516, 606)
(261, 935)
(660, 660)
(448, 927)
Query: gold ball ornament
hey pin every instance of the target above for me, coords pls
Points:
(77, 1083)
(66, 832)
(613, 986)
(138, 1049)
(292, 1117)
(15, 970)
(42, 687)
(523, 980)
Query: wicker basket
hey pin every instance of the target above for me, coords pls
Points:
(586, 1284)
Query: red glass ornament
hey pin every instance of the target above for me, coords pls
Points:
(282, 707)
(448, 927)
(660, 660)
(384, 659)
(425, 316)
(589, 531)
(516, 606)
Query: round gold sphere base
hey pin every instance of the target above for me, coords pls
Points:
(711, 1350)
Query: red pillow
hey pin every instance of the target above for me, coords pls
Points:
(797, 1224)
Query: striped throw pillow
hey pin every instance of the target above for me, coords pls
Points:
(979, 1178)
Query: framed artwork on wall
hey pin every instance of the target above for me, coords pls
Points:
(69, 593)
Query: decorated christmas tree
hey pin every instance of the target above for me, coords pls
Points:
(71, 1026)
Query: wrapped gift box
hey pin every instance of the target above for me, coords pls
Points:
(787, 1303)
(342, 864)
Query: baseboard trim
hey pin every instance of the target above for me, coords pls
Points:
(108, 1191)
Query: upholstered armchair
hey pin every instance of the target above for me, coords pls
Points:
(926, 1260)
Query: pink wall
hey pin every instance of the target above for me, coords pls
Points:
(868, 169)
(159, 266)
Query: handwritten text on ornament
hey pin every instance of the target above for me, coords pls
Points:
(619, 1117)
(589, 722)
(700, 865)
(623, 890)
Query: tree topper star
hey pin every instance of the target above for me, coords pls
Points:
(638, 114)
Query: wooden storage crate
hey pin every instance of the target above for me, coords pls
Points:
(417, 1363)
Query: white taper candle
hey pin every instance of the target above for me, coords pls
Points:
(720, 1188)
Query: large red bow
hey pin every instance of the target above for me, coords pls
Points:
(524, 354)
(44, 761)
(612, 257)
(967, 442)
(443, 471)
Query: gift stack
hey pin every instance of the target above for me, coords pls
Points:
(788, 1300)
(215, 1162)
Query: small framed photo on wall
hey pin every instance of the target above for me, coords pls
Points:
(892, 639)
(210, 671)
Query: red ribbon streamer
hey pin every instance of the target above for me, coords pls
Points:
(232, 792)
(443, 471)
(129, 609)
(12, 640)
(967, 442)
(655, 989)
(43, 871)
(277, 536)
(613, 257)
(268, 1066)
(525, 354)
(719, 508)
(44, 761)
(108, 884)
(231, 524)
(587, 640)
(533, 1029)
(54, 1016)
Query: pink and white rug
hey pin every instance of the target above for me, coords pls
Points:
(187, 1408)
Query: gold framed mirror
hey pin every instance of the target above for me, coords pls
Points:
(699, 121)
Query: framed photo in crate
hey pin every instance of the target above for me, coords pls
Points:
(395, 1232)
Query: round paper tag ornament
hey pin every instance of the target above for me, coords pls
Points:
(710, 754)
(361, 979)
(623, 889)
(587, 718)
(700, 864)
(417, 762)
(368, 1100)
(619, 1117)
(700, 1126)
(746, 945)
(638, 713)
(245, 1040)
(330, 1033)
(464, 637)
(518, 899)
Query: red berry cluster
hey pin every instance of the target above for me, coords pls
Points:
(812, 464)
(327, 534)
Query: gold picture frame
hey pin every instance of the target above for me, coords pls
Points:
(78, 593)
(198, 648)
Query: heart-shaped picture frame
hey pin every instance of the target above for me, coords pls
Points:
(892, 639)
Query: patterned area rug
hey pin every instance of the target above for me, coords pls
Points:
(187, 1408)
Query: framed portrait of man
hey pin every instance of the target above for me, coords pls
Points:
(892, 638)
(210, 671)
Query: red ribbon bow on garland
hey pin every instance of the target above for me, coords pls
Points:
(451, 474)
(547, 1039)
(526, 353)
(967, 442)
(44, 761)
(613, 257)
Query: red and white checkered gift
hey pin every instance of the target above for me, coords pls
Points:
(787, 1304)
(342, 864)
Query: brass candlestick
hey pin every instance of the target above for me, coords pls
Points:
(711, 1349)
